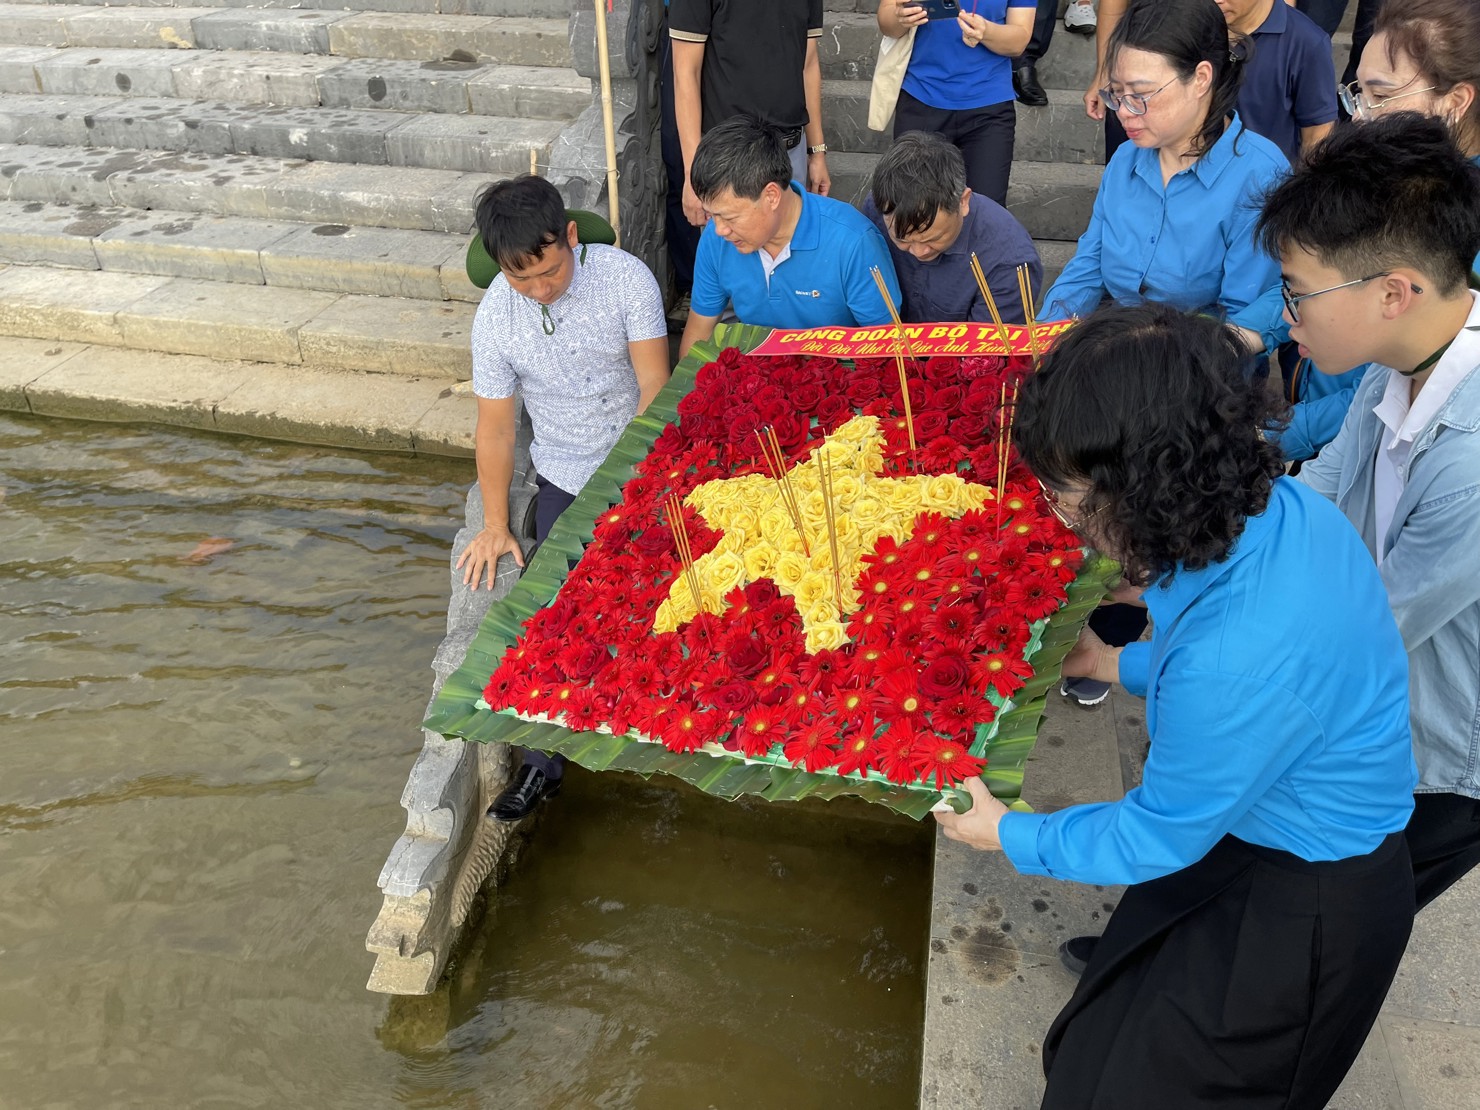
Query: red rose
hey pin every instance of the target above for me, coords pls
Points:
(861, 388)
(833, 410)
(729, 358)
(733, 697)
(806, 397)
(746, 657)
(655, 541)
(944, 677)
(947, 399)
(930, 425)
(791, 430)
(583, 663)
(745, 421)
(942, 369)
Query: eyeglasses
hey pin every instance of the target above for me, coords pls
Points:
(1134, 103)
(1355, 104)
(1292, 300)
(1055, 506)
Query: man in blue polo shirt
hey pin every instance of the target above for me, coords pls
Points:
(783, 257)
(1288, 93)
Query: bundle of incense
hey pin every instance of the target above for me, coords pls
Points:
(829, 514)
(776, 464)
(1025, 287)
(681, 543)
(1004, 445)
(899, 344)
(981, 283)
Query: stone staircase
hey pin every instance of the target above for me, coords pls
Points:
(267, 184)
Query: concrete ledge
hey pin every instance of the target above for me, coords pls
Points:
(303, 404)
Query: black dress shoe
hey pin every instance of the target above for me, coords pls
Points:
(1076, 952)
(529, 788)
(1025, 85)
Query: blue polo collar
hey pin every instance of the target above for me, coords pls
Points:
(1277, 20)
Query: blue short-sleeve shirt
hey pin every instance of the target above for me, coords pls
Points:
(946, 73)
(1290, 81)
(823, 279)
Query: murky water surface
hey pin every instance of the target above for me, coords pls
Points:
(215, 657)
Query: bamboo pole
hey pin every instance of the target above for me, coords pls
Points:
(534, 164)
(605, 67)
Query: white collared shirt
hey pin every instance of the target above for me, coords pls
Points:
(1404, 418)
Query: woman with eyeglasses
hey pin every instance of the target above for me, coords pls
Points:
(1172, 222)
(1270, 897)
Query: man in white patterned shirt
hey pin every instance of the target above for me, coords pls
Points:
(579, 330)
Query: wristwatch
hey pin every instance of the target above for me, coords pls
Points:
(820, 148)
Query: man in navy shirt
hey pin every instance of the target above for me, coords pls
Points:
(1288, 93)
(934, 224)
(783, 257)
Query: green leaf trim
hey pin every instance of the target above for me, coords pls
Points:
(459, 711)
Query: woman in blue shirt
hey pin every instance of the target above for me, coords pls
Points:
(959, 81)
(1173, 218)
(1270, 897)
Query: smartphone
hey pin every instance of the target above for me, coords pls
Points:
(939, 9)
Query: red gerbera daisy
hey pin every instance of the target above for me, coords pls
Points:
(812, 748)
(759, 729)
(895, 751)
(959, 716)
(584, 710)
(946, 761)
(857, 755)
(689, 729)
(1004, 673)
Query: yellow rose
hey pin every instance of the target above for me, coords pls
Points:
(722, 572)
(812, 588)
(760, 560)
(788, 571)
(826, 636)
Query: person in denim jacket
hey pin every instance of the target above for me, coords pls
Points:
(1376, 234)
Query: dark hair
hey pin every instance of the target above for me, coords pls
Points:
(517, 219)
(1187, 33)
(741, 154)
(1372, 196)
(920, 176)
(1443, 39)
(1154, 409)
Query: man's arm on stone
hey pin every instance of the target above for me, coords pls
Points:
(650, 361)
(493, 447)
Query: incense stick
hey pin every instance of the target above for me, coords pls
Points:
(1025, 287)
(981, 283)
(829, 515)
(680, 532)
(899, 344)
(776, 464)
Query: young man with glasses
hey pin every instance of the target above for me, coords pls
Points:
(1376, 234)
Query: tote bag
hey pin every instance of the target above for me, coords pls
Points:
(883, 94)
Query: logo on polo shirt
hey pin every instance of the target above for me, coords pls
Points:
(814, 293)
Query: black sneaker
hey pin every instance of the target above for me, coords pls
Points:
(1076, 952)
(529, 788)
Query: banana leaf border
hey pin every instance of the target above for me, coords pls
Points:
(459, 711)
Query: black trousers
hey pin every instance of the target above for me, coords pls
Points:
(1044, 21)
(983, 135)
(1249, 979)
(1444, 841)
(683, 237)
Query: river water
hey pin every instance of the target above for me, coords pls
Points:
(216, 652)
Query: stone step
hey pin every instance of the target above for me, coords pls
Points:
(1070, 61)
(506, 40)
(474, 143)
(301, 80)
(544, 9)
(388, 335)
(1051, 199)
(333, 258)
(242, 185)
(1060, 132)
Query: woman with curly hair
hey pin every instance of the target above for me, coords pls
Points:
(1270, 897)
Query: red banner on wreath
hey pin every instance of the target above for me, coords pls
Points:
(963, 340)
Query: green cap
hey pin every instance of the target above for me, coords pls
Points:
(590, 228)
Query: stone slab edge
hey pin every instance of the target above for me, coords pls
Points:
(386, 412)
